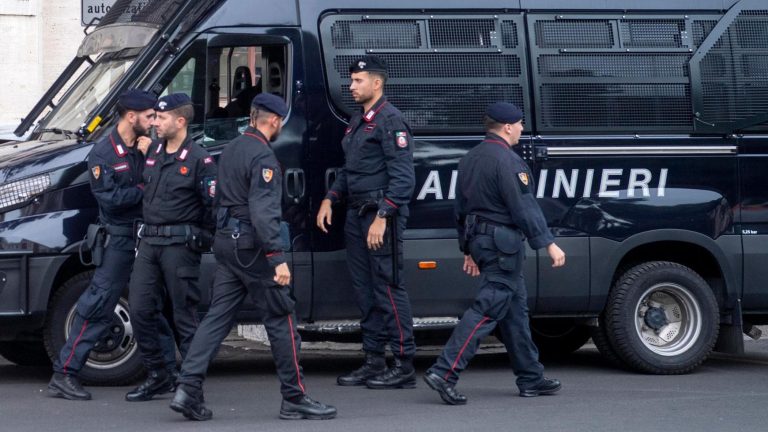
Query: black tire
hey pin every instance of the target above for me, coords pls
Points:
(557, 338)
(662, 318)
(604, 347)
(120, 364)
(25, 353)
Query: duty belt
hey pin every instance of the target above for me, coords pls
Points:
(366, 198)
(488, 228)
(119, 231)
(164, 230)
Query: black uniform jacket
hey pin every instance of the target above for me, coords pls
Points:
(496, 185)
(179, 188)
(250, 187)
(378, 146)
(116, 180)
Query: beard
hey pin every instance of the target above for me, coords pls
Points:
(140, 131)
(273, 138)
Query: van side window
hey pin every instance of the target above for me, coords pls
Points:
(443, 69)
(236, 76)
(222, 82)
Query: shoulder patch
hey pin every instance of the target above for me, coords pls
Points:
(266, 174)
(96, 171)
(524, 182)
(401, 139)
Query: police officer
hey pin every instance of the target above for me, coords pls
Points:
(496, 210)
(179, 187)
(377, 180)
(251, 261)
(116, 163)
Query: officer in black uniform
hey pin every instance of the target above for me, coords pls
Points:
(180, 183)
(496, 210)
(116, 163)
(251, 261)
(377, 180)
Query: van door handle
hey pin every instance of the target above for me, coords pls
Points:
(295, 185)
(330, 177)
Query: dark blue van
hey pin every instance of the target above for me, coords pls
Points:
(646, 130)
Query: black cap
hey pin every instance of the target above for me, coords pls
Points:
(504, 112)
(271, 103)
(137, 100)
(172, 101)
(368, 63)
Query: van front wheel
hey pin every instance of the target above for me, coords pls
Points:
(662, 318)
(115, 358)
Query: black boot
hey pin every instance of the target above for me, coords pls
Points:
(402, 375)
(447, 391)
(67, 387)
(190, 405)
(173, 375)
(158, 382)
(374, 365)
(546, 387)
(306, 408)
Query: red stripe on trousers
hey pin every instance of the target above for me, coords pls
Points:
(74, 346)
(295, 357)
(458, 356)
(397, 318)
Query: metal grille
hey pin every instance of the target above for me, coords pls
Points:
(18, 192)
(733, 74)
(652, 33)
(590, 106)
(574, 34)
(509, 34)
(701, 30)
(379, 34)
(441, 107)
(156, 12)
(614, 65)
(461, 33)
(430, 65)
(443, 69)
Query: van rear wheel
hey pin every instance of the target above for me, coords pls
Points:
(115, 358)
(662, 318)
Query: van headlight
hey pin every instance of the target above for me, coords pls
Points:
(20, 191)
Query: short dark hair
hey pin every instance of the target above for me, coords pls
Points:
(121, 110)
(381, 75)
(491, 124)
(187, 111)
(258, 114)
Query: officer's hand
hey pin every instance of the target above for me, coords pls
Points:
(557, 255)
(376, 233)
(143, 143)
(324, 215)
(470, 267)
(282, 274)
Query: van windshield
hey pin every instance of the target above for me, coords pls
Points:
(91, 89)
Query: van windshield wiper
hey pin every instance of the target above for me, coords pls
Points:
(66, 133)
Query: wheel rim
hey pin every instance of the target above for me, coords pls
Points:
(117, 346)
(668, 319)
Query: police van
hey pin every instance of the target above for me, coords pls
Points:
(646, 130)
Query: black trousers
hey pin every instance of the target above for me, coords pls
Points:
(164, 273)
(502, 301)
(384, 305)
(94, 312)
(240, 273)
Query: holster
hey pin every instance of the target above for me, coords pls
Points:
(95, 242)
(199, 239)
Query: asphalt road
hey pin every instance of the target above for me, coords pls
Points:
(726, 393)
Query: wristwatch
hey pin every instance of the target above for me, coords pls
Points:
(382, 214)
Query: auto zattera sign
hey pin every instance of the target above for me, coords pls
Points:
(96, 9)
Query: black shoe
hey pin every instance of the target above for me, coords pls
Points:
(67, 387)
(158, 382)
(447, 391)
(306, 408)
(402, 375)
(190, 406)
(173, 375)
(374, 365)
(546, 387)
